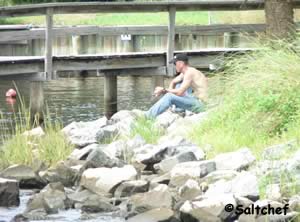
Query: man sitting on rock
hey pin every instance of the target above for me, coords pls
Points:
(180, 96)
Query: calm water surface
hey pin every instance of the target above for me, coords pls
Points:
(79, 99)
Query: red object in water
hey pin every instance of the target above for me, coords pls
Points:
(11, 93)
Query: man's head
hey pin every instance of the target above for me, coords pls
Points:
(180, 61)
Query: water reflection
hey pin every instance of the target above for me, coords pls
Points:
(81, 99)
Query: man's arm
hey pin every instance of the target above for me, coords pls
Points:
(187, 81)
(176, 80)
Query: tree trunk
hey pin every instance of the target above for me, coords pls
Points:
(279, 18)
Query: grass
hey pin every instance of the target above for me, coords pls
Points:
(20, 149)
(113, 19)
(259, 102)
(147, 129)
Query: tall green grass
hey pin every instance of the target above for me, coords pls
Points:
(18, 148)
(147, 129)
(260, 101)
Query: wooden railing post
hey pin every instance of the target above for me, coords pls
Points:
(171, 40)
(48, 44)
(110, 94)
(36, 102)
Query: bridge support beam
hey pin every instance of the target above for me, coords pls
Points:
(48, 44)
(171, 40)
(36, 102)
(110, 94)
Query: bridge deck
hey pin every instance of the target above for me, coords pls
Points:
(123, 63)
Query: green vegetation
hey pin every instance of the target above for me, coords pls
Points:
(260, 101)
(23, 149)
(147, 130)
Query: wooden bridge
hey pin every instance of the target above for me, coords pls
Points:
(44, 68)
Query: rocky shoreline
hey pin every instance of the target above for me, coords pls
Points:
(171, 181)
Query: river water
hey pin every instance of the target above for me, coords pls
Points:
(79, 99)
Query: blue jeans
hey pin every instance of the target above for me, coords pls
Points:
(186, 102)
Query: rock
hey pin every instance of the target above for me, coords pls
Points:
(116, 149)
(159, 197)
(94, 204)
(155, 215)
(191, 170)
(107, 133)
(82, 134)
(162, 179)
(124, 121)
(166, 119)
(294, 203)
(293, 165)
(99, 158)
(82, 154)
(219, 175)
(51, 199)
(80, 196)
(150, 154)
(189, 190)
(273, 192)
(9, 193)
(244, 185)
(167, 164)
(129, 188)
(237, 160)
(210, 209)
(271, 167)
(61, 173)
(121, 116)
(105, 180)
(182, 126)
(25, 175)
(36, 132)
(278, 151)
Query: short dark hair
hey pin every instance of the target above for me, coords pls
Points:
(180, 57)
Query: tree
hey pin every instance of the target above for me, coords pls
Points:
(280, 18)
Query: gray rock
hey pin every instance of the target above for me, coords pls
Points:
(167, 164)
(99, 158)
(25, 175)
(166, 119)
(219, 175)
(191, 170)
(244, 185)
(237, 160)
(190, 190)
(94, 204)
(210, 209)
(155, 215)
(61, 173)
(129, 188)
(51, 199)
(162, 179)
(81, 154)
(293, 165)
(82, 134)
(116, 149)
(107, 133)
(105, 180)
(9, 193)
(294, 203)
(159, 197)
(80, 196)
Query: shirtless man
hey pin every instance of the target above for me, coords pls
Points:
(190, 77)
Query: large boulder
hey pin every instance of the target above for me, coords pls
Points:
(244, 185)
(191, 170)
(51, 199)
(82, 154)
(99, 158)
(129, 188)
(237, 160)
(94, 204)
(210, 209)
(104, 180)
(9, 193)
(61, 173)
(25, 175)
(82, 134)
(159, 197)
(166, 119)
(190, 190)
